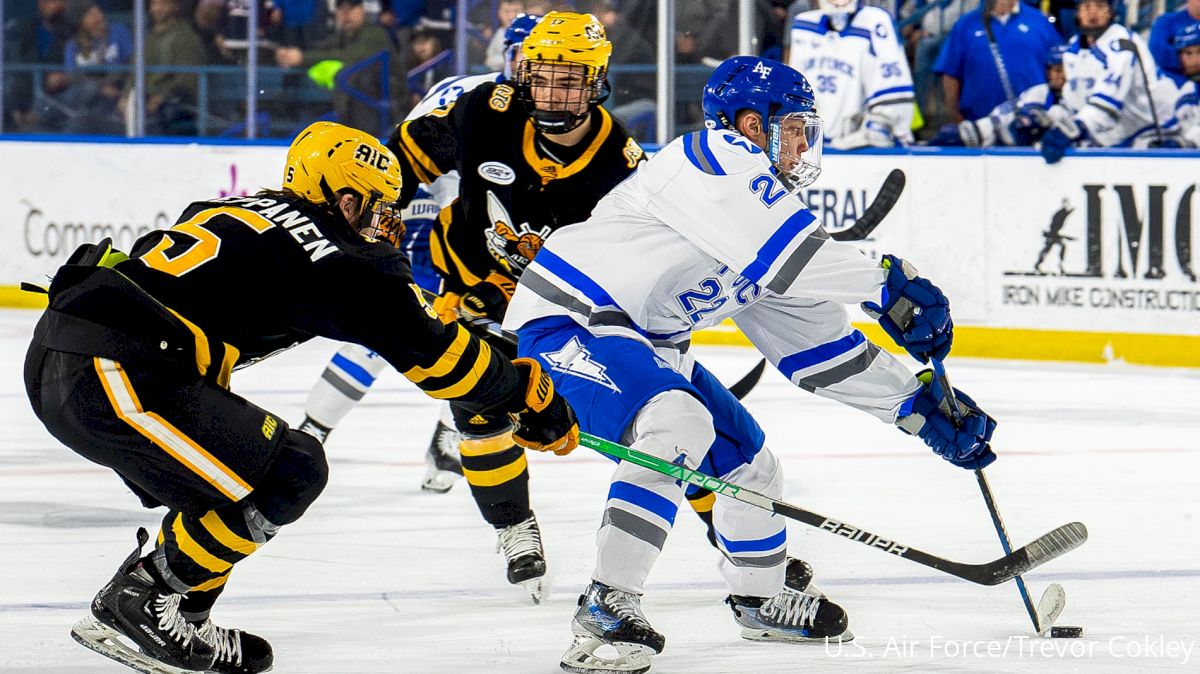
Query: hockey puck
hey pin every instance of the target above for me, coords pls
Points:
(1064, 632)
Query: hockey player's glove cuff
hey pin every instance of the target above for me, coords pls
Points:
(915, 313)
(547, 423)
(927, 415)
(1062, 136)
(489, 298)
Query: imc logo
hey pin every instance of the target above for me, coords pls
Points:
(1152, 237)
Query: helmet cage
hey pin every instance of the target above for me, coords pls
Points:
(559, 95)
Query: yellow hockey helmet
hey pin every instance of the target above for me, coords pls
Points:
(327, 158)
(565, 58)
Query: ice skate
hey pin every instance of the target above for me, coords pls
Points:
(137, 623)
(321, 433)
(238, 652)
(613, 618)
(790, 616)
(442, 465)
(522, 547)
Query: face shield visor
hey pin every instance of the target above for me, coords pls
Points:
(794, 147)
(381, 220)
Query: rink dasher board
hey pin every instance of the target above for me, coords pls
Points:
(1115, 233)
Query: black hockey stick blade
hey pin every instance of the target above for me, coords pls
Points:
(888, 194)
(742, 387)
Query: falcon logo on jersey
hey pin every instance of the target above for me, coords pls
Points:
(494, 171)
(762, 69)
(575, 360)
(512, 246)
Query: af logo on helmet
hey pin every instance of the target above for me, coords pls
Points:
(762, 69)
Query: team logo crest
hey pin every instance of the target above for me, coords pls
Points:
(496, 172)
(593, 32)
(762, 69)
(574, 359)
(513, 246)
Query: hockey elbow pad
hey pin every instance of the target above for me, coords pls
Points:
(915, 313)
(546, 423)
(927, 415)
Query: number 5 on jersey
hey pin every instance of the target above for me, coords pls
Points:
(205, 245)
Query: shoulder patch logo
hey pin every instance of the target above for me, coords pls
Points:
(421, 300)
(633, 153)
(575, 360)
(501, 98)
(496, 172)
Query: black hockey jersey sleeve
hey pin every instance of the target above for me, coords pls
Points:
(427, 146)
(377, 304)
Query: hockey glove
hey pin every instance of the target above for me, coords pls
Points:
(547, 423)
(915, 313)
(1061, 136)
(488, 298)
(948, 136)
(927, 415)
(1166, 143)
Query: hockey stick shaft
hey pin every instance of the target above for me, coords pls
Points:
(997, 58)
(1052, 545)
(939, 371)
(1125, 44)
(881, 205)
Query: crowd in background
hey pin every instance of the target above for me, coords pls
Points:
(316, 56)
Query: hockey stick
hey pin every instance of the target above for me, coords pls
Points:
(1054, 544)
(1054, 599)
(1125, 44)
(997, 58)
(881, 205)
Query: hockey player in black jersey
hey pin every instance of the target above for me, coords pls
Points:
(533, 154)
(130, 366)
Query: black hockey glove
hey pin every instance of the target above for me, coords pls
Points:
(488, 298)
(547, 423)
(915, 313)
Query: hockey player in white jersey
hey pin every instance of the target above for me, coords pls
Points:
(852, 57)
(1105, 103)
(354, 369)
(709, 229)
(1006, 125)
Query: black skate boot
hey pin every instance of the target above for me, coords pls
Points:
(134, 607)
(799, 575)
(608, 616)
(789, 616)
(238, 652)
(442, 465)
(522, 547)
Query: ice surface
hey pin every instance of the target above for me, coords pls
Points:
(381, 577)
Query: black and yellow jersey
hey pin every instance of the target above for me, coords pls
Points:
(516, 186)
(253, 275)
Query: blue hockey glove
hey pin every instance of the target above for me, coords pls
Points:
(927, 415)
(947, 136)
(915, 313)
(1060, 137)
(1167, 143)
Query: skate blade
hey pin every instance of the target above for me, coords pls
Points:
(765, 634)
(581, 657)
(96, 636)
(439, 481)
(536, 588)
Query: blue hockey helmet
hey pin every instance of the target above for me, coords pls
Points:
(783, 100)
(1055, 57)
(1186, 36)
(514, 35)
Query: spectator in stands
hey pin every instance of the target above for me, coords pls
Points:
(506, 11)
(170, 96)
(42, 40)
(304, 22)
(971, 81)
(227, 20)
(706, 31)
(88, 104)
(923, 40)
(355, 39)
(1162, 36)
(425, 48)
(633, 93)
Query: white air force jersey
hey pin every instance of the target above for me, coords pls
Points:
(861, 70)
(704, 232)
(1105, 91)
(1187, 113)
(996, 127)
(444, 189)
